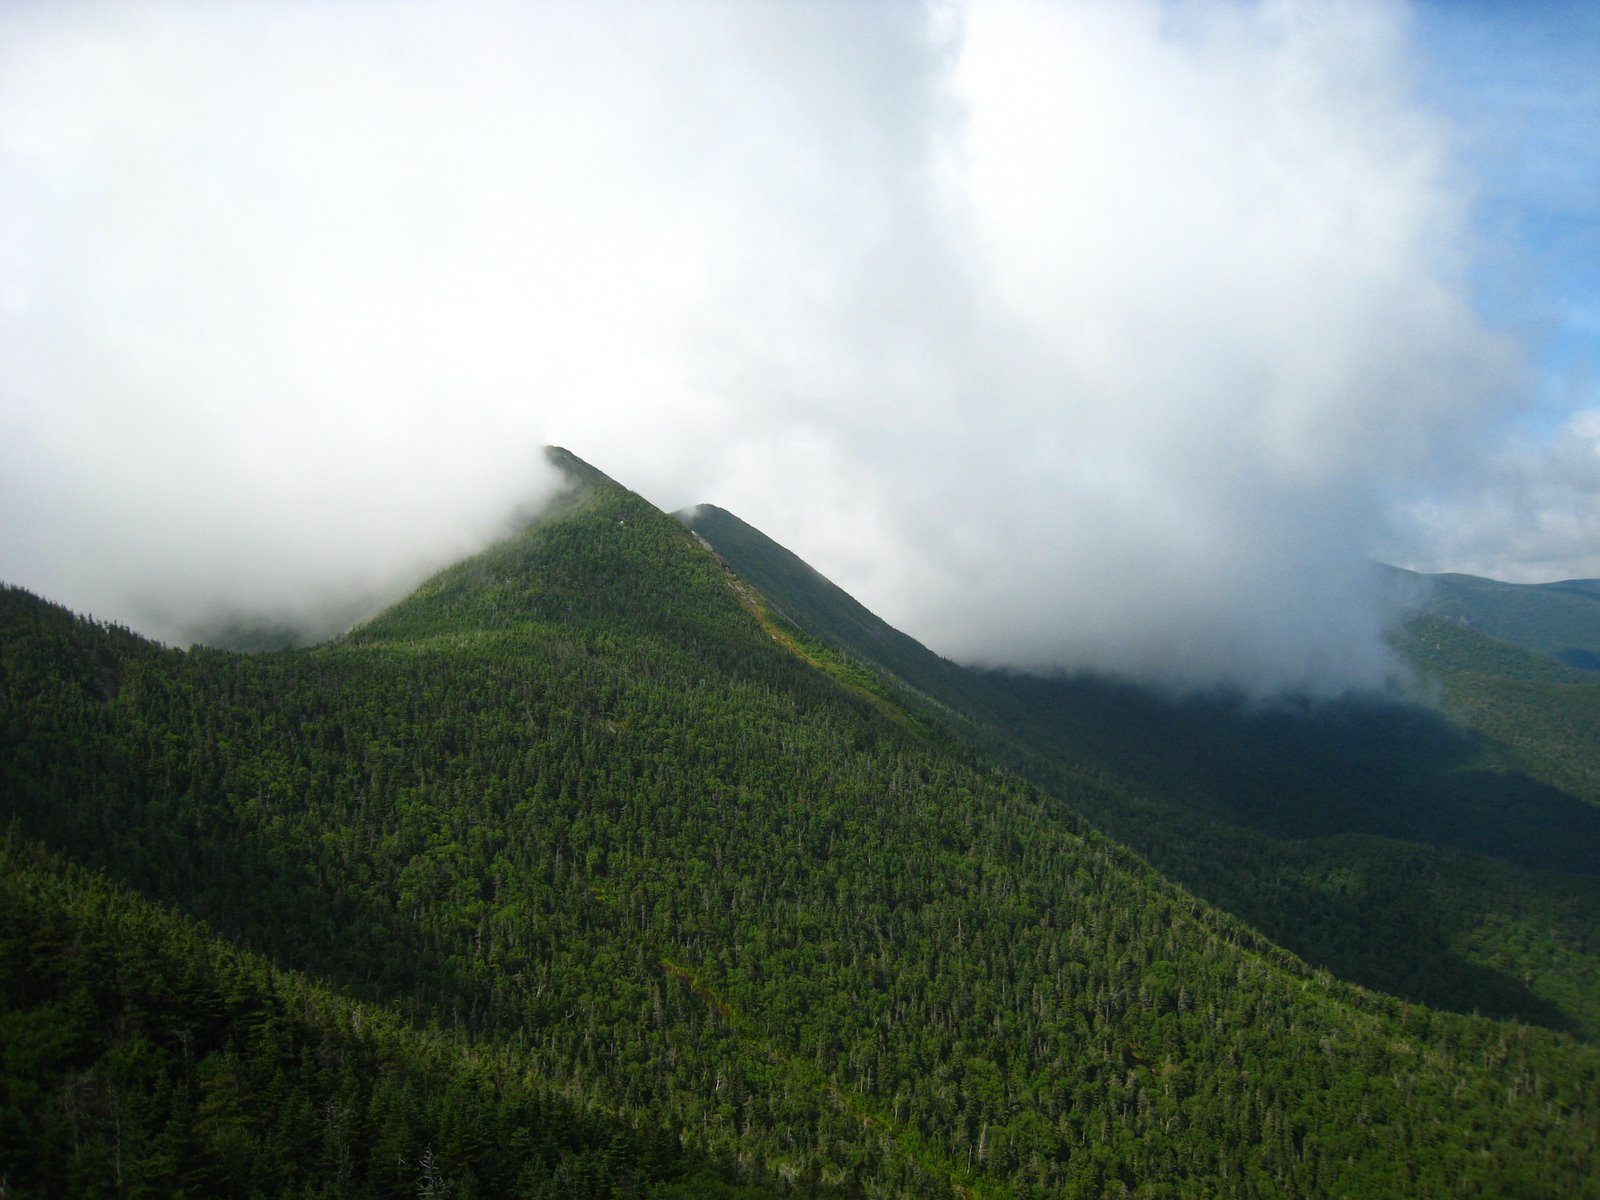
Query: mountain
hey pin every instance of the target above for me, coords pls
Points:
(622, 861)
(1449, 856)
(809, 601)
(1535, 715)
(1560, 620)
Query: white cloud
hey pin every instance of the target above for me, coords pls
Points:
(1530, 515)
(1081, 334)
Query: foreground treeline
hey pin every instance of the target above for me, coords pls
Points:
(572, 816)
(143, 1056)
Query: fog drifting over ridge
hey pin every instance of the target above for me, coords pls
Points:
(1075, 335)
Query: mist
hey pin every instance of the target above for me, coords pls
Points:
(1107, 336)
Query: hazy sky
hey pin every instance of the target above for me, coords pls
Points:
(1090, 334)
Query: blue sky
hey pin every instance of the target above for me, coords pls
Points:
(1520, 83)
(1519, 86)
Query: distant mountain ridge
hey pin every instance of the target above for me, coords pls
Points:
(1560, 619)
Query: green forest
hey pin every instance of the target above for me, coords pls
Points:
(613, 862)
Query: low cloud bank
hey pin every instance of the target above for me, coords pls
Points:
(1069, 335)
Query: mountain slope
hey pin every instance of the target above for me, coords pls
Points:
(1450, 863)
(813, 603)
(582, 800)
(1537, 715)
(142, 1055)
(1560, 620)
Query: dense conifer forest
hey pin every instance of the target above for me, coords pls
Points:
(1441, 843)
(596, 867)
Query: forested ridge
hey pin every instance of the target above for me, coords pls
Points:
(608, 856)
(1559, 620)
(1441, 843)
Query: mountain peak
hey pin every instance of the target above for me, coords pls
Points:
(594, 551)
(575, 469)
